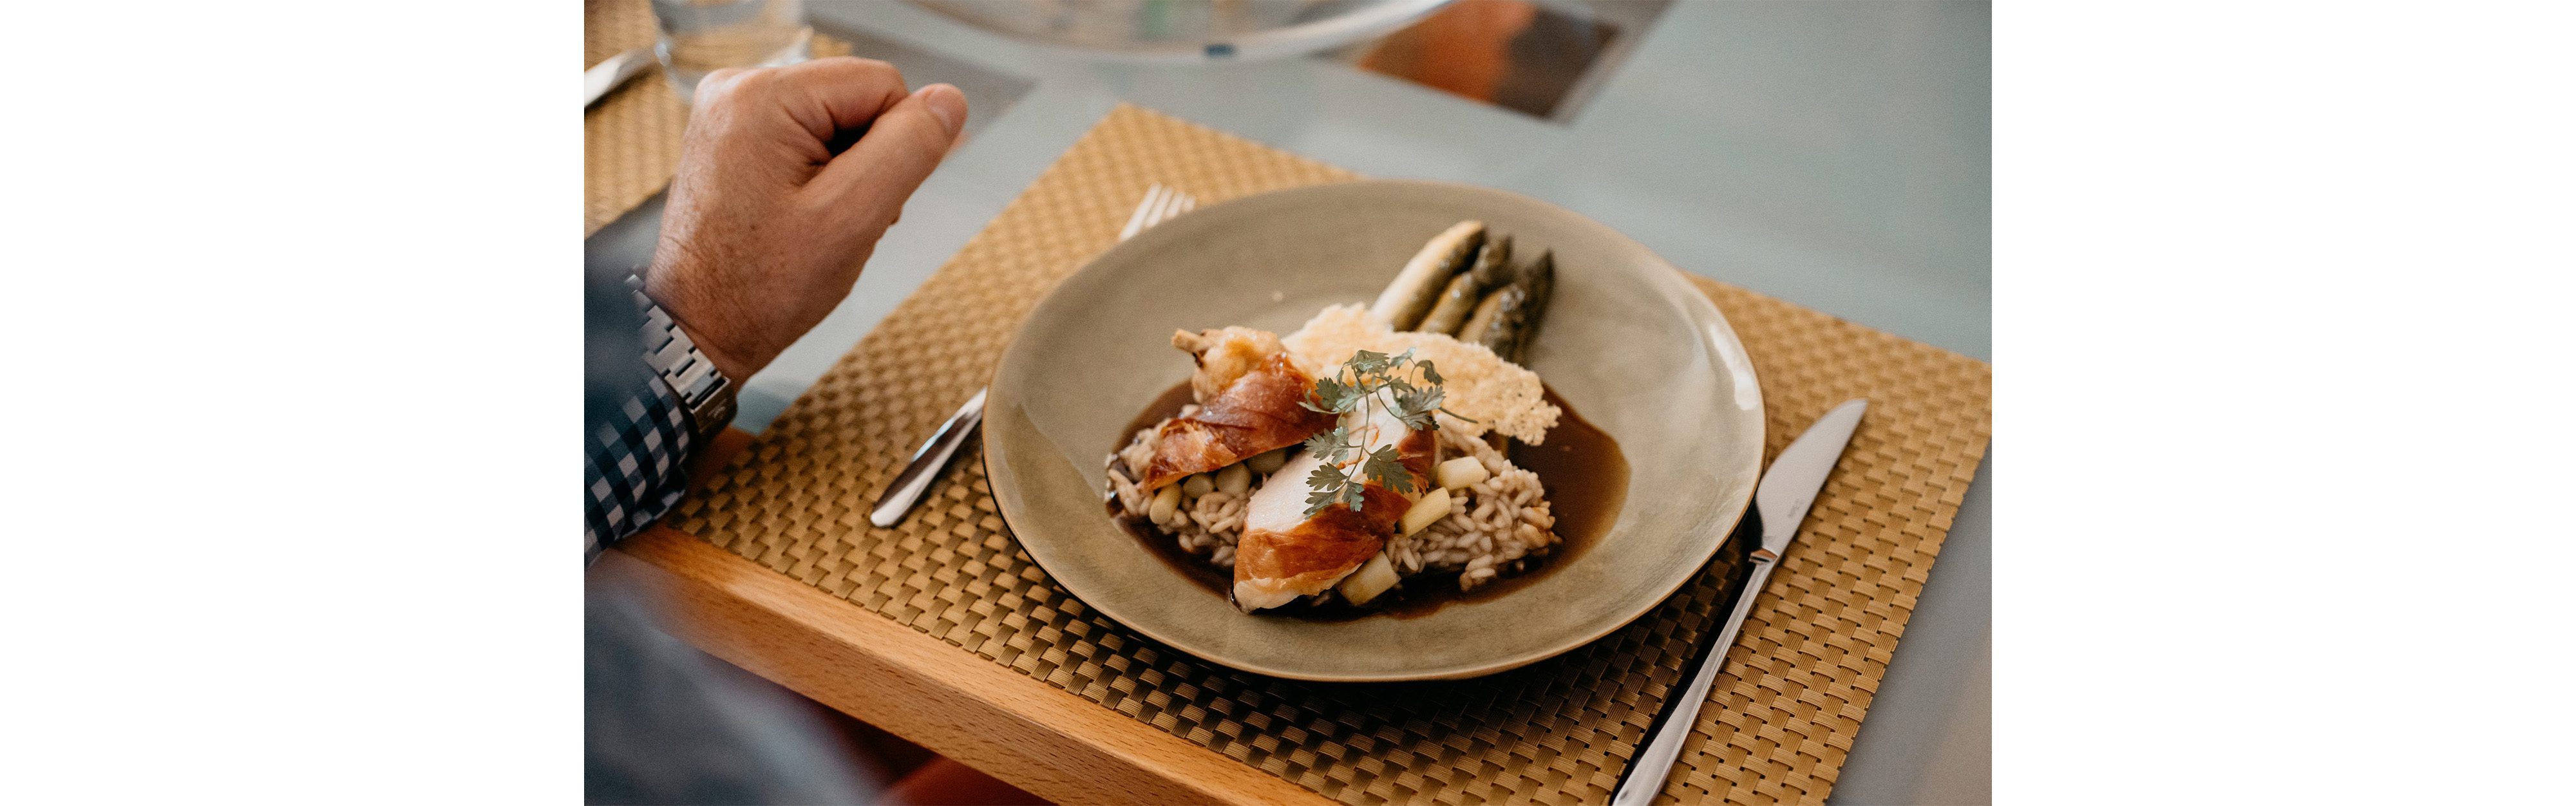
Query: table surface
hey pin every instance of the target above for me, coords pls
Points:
(1835, 155)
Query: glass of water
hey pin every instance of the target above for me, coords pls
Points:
(703, 36)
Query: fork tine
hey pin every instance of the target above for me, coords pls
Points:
(1144, 211)
(1162, 209)
(1174, 206)
(1155, 216)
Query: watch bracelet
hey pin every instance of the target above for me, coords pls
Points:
(705, 394)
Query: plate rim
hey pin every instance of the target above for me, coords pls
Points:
(1724, 526)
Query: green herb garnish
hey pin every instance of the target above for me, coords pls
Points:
(1354, 390)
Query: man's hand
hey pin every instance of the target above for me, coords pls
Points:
(767, 228)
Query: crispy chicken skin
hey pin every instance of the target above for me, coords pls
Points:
(1252, 408)
(1284, 554)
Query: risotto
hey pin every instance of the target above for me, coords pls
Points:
(1498, 525)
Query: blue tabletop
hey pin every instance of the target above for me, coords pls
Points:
(1834, 155)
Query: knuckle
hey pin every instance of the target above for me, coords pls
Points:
(723, 88)
(852, 69)
(883, 70)
(759, 80)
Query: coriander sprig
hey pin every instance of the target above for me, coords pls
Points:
(1355, 389)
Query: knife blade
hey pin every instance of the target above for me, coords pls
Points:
(1781, 501)
(1789, 488)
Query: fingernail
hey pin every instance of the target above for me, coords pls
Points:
(947, 104)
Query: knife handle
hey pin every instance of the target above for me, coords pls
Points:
(907, 487)
(1652, 764)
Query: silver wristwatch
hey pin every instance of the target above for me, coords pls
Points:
(706, 394)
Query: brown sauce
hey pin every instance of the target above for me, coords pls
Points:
(1586, 478)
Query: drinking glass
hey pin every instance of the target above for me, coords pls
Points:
(703, 36)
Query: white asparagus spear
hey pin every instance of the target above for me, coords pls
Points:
(1418, 286)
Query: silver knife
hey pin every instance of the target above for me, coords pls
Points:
(925, 464)
(1788, 489)
(612, 71)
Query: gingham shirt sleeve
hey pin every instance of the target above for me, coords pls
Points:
(635, 466)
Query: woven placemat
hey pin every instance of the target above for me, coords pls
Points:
(1798, 681)
(631, 139)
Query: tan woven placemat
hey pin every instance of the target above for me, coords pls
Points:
(1798, 681)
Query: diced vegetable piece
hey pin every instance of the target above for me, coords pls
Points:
(1463, 471)
(1165, 503)
(1235, 479)
(1431, 508)
(1268, 463)
(1372, 579)
(1197, 485)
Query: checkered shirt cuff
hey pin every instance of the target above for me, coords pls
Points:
(634, 471)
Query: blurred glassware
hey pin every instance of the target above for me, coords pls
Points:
(703, 36)
(1185, 31)
(1542, 58)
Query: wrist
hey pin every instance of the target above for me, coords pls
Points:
(708, 321)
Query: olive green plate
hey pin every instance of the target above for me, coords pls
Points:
(1627, 342)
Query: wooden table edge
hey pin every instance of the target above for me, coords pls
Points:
(1011, 726)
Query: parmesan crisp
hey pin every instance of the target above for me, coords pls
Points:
(1499, 395)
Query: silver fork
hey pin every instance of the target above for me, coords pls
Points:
(1160, 205)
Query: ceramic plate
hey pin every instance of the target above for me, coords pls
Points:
(1629, 344)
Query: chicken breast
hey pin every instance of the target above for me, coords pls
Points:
(1284, 554)
(1255, 411)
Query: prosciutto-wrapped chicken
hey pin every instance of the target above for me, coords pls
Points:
(1284, 554)
(1248, 392)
